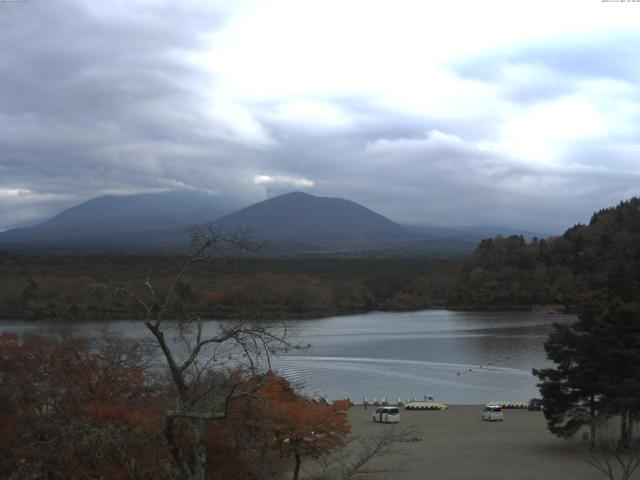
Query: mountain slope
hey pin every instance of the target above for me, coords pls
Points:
(299, 215)
(120, 219)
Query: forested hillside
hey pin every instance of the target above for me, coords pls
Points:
(578, 266)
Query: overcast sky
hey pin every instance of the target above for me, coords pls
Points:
(524, 114)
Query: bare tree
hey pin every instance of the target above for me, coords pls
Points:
(192, 352)
(614, 460)
(364, 456)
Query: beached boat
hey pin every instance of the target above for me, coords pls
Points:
(428, 403)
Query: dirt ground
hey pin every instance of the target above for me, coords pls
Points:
(456, 444)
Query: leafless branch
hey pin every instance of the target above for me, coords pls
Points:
(615, 461)
(358, 455)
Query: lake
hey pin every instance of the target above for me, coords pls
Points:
(457, 357)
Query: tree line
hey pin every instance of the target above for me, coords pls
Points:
(580, 266)
(64, 287)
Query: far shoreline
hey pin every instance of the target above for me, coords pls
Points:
(539, 309)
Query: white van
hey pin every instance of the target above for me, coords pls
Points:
(492, 413)
(387, 415)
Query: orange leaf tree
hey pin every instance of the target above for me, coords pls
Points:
(295, 425)
(71, 410)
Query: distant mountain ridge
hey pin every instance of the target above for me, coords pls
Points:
(292, 224)
(173, 205)
(296, 221)
(120, 220)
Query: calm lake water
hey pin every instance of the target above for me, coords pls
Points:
(457, 357)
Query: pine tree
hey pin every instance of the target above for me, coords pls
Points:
(617, 329)
(597, 373)
(572, 391)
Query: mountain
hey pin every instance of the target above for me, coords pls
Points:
(119, 220)
(303, 216)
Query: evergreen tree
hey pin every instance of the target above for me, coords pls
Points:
(617, 329)
(572, 391)
(597, 372)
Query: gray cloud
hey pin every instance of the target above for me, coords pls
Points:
(596, 55)
(97, 102)
(94, 103)
(436, 178)
(552, 68)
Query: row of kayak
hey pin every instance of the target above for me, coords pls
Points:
(425, 406)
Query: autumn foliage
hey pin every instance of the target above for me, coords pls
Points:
(70, 412)
(74, 409)
(297, 426)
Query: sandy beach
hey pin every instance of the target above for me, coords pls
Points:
(456, 444)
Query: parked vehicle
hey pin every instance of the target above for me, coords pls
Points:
(387, 415)
(535, 404)
(492, 413)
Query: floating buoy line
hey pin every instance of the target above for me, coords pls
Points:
(497, 361)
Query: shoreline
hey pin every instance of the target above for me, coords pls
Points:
(316, 315)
